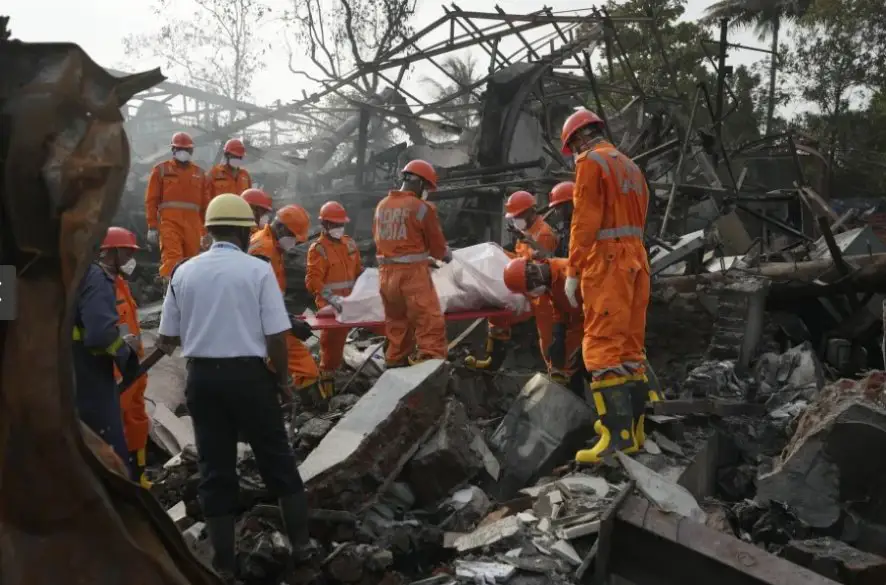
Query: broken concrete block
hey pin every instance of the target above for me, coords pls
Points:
(651, 447)
(198, 541)
(490, 463)
(837, 560)
(313, 431)
(666, 495)
(545, 425)
(666, 444)
(468, 506)
(579, 530)
(446, 460)
(179, 515)
(565, 551)
(489, 534)
(484, 571)
(342, 402)
(574, 483)
(367, 444)
(828, 460)
(171, 432)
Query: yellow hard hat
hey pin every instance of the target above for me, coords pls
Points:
(229, 209)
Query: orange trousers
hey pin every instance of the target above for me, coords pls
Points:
(180, 233)
(136, 423)
(332, 345)
(575, 333)
(412, 313)
(302, 366)
(615, 288)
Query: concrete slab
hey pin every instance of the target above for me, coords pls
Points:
(353, 460)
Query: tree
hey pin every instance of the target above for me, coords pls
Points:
(461, 73)
(339, 35)
(767, 18)
(217, 48)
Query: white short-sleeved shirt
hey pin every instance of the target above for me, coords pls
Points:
(222, 303)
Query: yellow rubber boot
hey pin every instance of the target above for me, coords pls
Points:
(326, 385)
(140, 462)
(612, 399)
(640, 431)
(496, 351)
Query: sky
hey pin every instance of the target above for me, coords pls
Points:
(99, 27)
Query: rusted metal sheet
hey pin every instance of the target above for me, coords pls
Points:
(655, 548)
(64, 514)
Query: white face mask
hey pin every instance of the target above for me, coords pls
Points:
(128, 267)
(424, 195)
(519, 223)
(287, 243)
(336, 233)
(537, 291)
(181, 155)
(264, 220)
(235, 162)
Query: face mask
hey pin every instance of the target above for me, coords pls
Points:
(424, 195)
(336, 233)
(181, 155)
(520, 224)
(537, 291)
(234, 162)
(264, 220)
(287, 243)
(128, 267)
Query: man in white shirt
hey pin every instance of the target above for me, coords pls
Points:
(225, 309)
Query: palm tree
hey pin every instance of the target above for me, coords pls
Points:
(461, 72)
(766, 17)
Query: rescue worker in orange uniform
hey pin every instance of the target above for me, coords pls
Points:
(333, 267)
(407, 237)
(229, 176)
(563, 350)
(288, 229)
(175, 204)
(559, 215)
(116, 257)
(609, 265)
(262, 207)
(535, 239)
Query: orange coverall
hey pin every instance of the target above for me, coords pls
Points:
(407, 234)
(500, 328)
(176, 200)
(563, 312)
(606, 250)
(132, 402)
(302, 366)
(333, 268)
(224, 179)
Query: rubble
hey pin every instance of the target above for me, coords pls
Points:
(838, 561)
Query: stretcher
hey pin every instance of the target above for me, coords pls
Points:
(320, 322)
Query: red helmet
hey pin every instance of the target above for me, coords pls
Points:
(182, 140)
(257, 198)
(296, 220)
(334, 212)
(117, 237)
(576, 122)
(515, 276)
(518, 203)
(422, 169)
(235, 148)
(561, 193)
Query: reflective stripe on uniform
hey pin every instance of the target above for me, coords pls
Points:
(318, 247)
(79, 334)
(352, 246)
(625, 231)
(338, 285)
(179, 205)
(422, 211)
(407, 259)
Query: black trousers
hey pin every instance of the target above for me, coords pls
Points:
(227, 397)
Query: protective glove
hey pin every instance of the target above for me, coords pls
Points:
(300, 328)
(447, 257)
(557, 349)
(129, 367)
(132, 341)
(335, 301)
(570, 288)
(153, 237)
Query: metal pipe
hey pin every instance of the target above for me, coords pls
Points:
(464, 173)
(678, 172)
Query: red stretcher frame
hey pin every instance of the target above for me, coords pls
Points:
(329, 322)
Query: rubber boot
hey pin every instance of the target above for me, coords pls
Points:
(294, 509)
(326, 385)
(139, 459)
(496, 351)
(310, 396)
(615, 426)
(577, 383)
(643, 394)
(221, 535)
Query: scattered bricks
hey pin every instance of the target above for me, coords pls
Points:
(446, 460)
(828, 460)
(837, 560)
(545, 425)
(355, 458)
